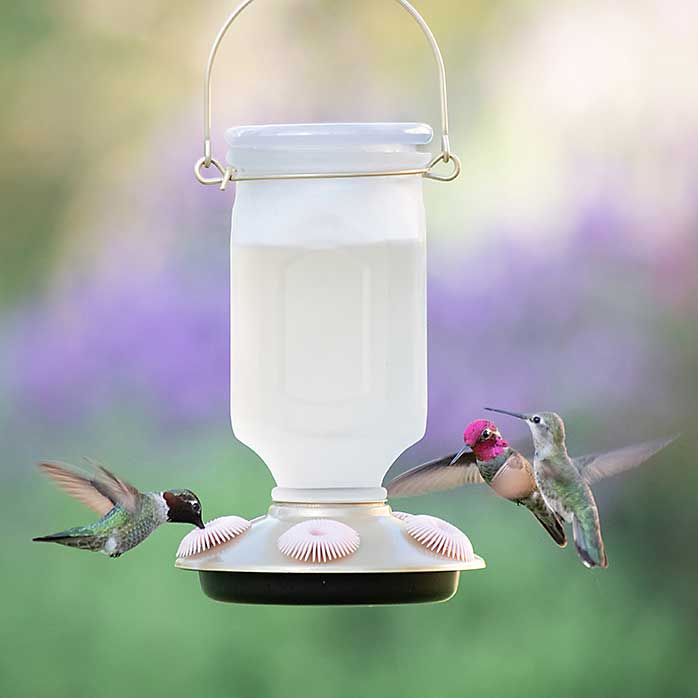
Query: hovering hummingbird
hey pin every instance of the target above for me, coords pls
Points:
(511, 475)
(128, 515)
(564, 483)
(491, 460)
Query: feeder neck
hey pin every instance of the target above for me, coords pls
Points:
(338, 495)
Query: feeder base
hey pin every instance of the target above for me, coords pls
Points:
(333, 589)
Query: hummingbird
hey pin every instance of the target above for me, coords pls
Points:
(128, 515)
(564, 483)
(488, 458)
(485, 458)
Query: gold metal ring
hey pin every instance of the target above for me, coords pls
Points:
(201, 163)
(452, 158)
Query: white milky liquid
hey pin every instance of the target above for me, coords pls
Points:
(328, 350)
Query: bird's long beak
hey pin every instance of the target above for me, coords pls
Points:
(460, 453)
(518, 415)
(199, 522)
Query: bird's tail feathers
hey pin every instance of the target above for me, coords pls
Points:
(588, 541)
(73, 538)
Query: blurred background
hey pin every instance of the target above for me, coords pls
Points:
(562, 276)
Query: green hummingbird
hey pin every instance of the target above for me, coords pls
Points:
(128, 515)
(564, 483)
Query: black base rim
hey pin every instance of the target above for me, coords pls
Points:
(334, 589)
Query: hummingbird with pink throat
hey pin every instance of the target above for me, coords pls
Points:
(555, 488)
(485, 458)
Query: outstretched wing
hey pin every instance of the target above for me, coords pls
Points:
(600, 465)
(436, 476)
(100, 493)
(116, 488)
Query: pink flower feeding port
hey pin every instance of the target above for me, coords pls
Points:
(441, 537)
(217, 532)
(319, 540)
(328, 352)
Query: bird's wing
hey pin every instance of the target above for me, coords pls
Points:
(79, 486)
(100, 493)
(600, 465)
(116, 488)
(436, 476)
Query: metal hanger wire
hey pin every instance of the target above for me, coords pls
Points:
(229, 174)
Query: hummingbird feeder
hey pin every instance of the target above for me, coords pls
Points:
(329, 356)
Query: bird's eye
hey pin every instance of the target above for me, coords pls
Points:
(486, 434)
(536, 420)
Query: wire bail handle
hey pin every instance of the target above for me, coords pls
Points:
(229, 174)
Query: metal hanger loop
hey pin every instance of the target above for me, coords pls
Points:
(228, 174)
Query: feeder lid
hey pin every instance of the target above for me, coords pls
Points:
(330, 135)
(322, 148)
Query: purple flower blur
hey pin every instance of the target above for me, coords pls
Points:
(564, 328)
(162, 341)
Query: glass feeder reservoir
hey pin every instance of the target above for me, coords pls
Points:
(328, 357)
(328, 325)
